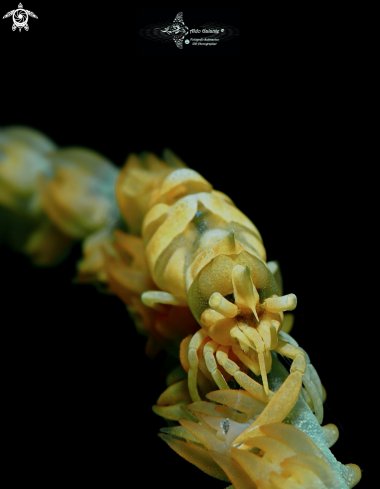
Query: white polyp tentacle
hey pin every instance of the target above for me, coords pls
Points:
(331, 433)
(155, 299)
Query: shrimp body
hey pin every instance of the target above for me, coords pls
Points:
(204, 253)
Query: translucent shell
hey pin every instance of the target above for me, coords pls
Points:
(216, 276)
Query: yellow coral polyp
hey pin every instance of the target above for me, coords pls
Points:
(237, 437)
(54, 196)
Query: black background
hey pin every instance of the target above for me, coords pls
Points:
(271, 128)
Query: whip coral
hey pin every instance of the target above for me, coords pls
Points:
(24, 223)
(192, 270)
(51, 197)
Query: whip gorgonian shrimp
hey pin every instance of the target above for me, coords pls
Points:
(204, 253)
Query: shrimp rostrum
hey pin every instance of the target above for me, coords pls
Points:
(205, 253)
